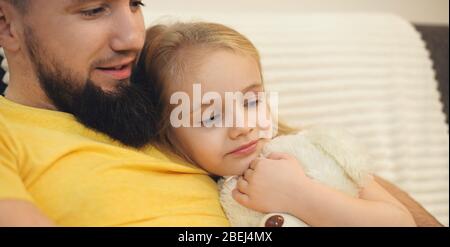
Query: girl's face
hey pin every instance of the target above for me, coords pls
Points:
(223, 150)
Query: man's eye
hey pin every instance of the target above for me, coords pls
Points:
(93, 12)
(137, 4)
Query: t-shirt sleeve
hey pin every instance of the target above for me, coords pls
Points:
(11, 184)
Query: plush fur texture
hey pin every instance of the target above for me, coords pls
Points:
(329, 155)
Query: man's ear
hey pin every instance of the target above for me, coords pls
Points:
(8, 37)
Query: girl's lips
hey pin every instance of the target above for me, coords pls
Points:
(245, 149)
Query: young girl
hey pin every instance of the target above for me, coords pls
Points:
(221, 60)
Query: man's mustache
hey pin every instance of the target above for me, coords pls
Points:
(115, 59)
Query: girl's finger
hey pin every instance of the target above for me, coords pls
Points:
(278, 156)
(248, 174)
(241, 198)
(255, 162)
(242, 185)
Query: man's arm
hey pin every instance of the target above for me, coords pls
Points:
(16, 213)
(22, 213)
(421, 216)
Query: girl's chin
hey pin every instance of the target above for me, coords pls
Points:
(241, 165)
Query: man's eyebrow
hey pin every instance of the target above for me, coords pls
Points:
(74, 4)
(80, 2)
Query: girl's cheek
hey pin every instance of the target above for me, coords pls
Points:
(210, 149)
(217, 140)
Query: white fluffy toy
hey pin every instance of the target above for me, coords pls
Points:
(328, 155)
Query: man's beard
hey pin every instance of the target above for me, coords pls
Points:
(125, 114)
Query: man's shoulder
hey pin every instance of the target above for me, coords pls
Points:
(166, 157)
(5, 130)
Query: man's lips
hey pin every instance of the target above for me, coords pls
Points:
(118, 72)
(245, 149)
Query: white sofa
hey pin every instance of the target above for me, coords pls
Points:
(370, 73)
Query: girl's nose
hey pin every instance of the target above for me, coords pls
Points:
(236, 132)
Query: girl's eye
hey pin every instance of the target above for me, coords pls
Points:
(252, 103)
(210, 120)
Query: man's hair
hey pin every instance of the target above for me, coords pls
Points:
(21, 5)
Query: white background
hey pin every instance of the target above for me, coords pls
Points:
(418, 11)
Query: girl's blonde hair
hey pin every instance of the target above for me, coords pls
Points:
(163, 61)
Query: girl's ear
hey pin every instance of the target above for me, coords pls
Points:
(8, 32)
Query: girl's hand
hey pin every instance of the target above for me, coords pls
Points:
(268, 184)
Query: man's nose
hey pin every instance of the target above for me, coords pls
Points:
(128, 31)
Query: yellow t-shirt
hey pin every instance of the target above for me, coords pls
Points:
(78, 177)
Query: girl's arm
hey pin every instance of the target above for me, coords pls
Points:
(321, 205)
(278, 184)
(421, 216)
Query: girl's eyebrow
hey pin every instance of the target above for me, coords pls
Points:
(253, 86)
(246, 89)
(201, 107)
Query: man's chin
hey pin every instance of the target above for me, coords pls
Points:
(125, 115)
(111, 86)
